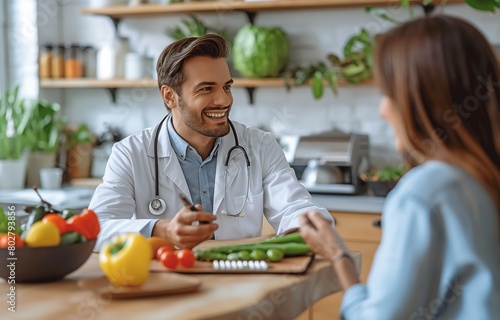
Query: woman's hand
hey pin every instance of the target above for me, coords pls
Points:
(324, 240)
(320, 235)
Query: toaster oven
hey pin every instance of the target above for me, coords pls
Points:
(313, 157)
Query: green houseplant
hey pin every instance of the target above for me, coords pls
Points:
(45, 128)
(14, 118)
(484, 5)
(356, 65)
(192, 27)
(381, 181)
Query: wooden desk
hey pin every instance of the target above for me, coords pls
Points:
(227, 296)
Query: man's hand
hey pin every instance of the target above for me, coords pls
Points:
(180, 231)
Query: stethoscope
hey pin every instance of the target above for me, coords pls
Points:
(158, 206)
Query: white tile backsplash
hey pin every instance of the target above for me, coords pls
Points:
(313, 34)
(21, 39)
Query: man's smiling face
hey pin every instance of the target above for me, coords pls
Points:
(205, 100)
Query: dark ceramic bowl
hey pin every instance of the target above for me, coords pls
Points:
(43, 264)
(381, 188)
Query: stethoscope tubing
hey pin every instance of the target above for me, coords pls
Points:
(157, 183)
(157, 134)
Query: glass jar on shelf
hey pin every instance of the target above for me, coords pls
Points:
(111, 59)
(134, 66)
(57, 62)
(89, 61)
(45, 62)
(73, 66)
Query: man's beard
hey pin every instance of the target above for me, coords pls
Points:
(193, 121)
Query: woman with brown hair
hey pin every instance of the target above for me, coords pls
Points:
(439, 256)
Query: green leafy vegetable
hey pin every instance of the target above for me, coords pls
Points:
(260, 52)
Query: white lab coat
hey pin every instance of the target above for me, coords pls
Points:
(122, 200)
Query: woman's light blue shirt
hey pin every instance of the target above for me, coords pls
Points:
(439, 256)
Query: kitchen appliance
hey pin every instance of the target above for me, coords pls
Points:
(329, 162)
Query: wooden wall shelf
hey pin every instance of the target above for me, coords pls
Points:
(96, 83)
(152, 83)
(114, 84)
(117, 12)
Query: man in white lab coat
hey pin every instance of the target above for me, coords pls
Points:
(233, 173)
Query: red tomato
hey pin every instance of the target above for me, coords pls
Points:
(186, 258)
(169, 259)
(56, 220)
(161, 250)
(13, 238)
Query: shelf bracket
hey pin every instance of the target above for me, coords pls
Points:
(428, 8)
(113, 92)
(251, 16)
(116, 22)
(250, 91)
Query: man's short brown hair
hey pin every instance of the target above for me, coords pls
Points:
(171, 61)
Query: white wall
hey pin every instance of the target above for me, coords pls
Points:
(3, 53)
(21, 38)
(313, 34)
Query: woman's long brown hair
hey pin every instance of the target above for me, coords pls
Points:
(443, 79)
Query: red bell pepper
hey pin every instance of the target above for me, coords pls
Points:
(86, 224)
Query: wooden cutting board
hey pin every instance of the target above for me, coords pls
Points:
(157, 284)
(291, 265)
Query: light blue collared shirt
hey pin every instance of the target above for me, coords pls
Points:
(439, 257)
(199, 173)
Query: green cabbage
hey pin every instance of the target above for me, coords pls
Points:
(260, 52)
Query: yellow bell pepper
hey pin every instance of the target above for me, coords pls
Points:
(125, 260)
(42, 234)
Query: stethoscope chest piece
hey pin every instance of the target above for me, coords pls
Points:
(157, 206)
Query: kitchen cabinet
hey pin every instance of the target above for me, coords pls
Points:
(116, 13)
(359, 234)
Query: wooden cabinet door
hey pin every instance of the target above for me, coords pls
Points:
(357, 226)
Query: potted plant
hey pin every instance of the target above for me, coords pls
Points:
(45, 128)
(192, 27)
(357, 64)
(14, 118)
(381, 181)
(354, 67)
(78, 143)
